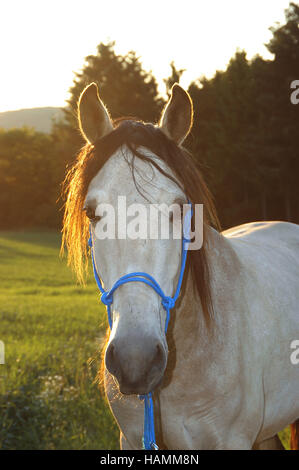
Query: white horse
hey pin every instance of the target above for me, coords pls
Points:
(227, 383)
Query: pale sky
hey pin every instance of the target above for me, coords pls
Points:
(43, 42)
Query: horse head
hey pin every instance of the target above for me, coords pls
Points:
(137, 350)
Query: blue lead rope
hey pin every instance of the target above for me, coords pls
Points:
(149, 439)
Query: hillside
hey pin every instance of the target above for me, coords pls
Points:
(39, 118)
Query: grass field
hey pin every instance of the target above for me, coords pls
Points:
(51, 328)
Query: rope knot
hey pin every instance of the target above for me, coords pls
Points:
(106, 299)
(168, 302)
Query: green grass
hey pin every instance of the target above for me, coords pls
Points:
(51, 327)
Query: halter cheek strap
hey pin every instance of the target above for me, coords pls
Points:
(149, 440)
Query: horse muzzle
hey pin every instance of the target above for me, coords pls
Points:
(138, 364)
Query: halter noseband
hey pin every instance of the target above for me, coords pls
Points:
(149, 440)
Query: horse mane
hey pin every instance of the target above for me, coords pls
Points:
(188, 176)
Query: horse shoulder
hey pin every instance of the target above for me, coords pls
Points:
(268, 254)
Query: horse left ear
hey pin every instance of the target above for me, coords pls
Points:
(177, 117)
(93, 117)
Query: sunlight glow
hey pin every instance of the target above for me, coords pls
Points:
(43, 43)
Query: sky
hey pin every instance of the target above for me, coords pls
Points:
(42, 42)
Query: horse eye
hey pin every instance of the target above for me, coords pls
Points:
(90, 213)
(181, 215)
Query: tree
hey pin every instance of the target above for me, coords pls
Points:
(173, 78)
(284, 70)
(245, 131)
(285, 43)
(225, 119)
(124, 86)
(29, 179)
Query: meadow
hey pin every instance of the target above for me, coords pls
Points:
(53, 330)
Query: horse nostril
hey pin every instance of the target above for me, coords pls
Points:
(110, 359)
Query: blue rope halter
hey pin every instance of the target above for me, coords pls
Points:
(149, 440)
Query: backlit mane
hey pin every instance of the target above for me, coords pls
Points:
(90, 160)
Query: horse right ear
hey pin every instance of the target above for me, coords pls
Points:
(177, 117)
(94, 120)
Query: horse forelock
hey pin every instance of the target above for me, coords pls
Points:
(180, 162)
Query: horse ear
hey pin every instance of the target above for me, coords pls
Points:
(94, 120)
(177, 116)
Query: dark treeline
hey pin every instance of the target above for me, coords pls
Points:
(245, 134)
